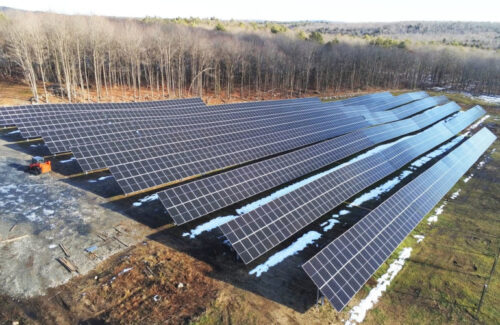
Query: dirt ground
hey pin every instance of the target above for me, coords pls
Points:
(146, 271)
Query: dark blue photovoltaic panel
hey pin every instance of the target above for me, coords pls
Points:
(38, 121)
(193, 200)
(342, 268)
(258, 231)
(12, 115)
(61, 140)
(7, 114)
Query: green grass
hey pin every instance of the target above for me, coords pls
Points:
(443, 280)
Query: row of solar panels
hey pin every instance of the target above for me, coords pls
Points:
(154, 143)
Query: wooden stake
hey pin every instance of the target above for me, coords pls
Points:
(13, 239)
(64, 250)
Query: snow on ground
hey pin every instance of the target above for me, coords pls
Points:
(208, 226)
(301, 243)
(478, 123)
(468, 178)
(99, 179)
(439, 151)
(456, 194)
(419, 238)
(489, 99)
(67, 160)
(358, 313)
(145, 199)
(437, 212)
(254, 205)
(7, 188)
(376, 192)
(327, 225)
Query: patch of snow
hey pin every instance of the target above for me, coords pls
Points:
(100, 179)
(468, 178)
(208, 226)
(145, 199)
(358, 313)
(301, 243)
(433, 154)
(254, 205)
(456, 194)
(419, 238)
(48, 212)
(126, 270)
(7, 188)
(489, 99)
(437, 212)
(67, 160)
(327, 225)
(33, 217)
(478, 123)
(14, 132)
(376, 192)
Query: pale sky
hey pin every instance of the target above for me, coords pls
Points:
(284, 10)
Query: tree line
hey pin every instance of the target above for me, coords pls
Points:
(154, 59)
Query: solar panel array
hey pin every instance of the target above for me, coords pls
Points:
(149, 144)
(63, 139)
(193, 200)
(160, 168)
(341, 268)
(107, 154)
(255, 233)
(178, 138)
(38, 119)
(9, 115)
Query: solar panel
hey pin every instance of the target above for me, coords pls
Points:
(258, 231)
(37, 121)
(397, 101)
(176, 105)
(265, 103)
(9, 115)
(407, 110)
(341, 268)
(363, 99)
(171, 128)
(186, 202)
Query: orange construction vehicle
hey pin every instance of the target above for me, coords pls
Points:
(39, 166)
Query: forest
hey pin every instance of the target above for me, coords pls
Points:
(82, 58)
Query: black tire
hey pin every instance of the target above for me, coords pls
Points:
(36, 170)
